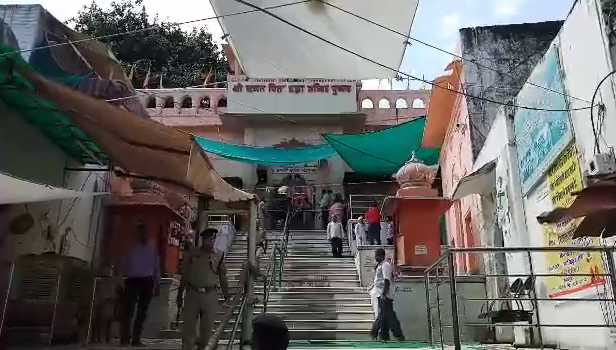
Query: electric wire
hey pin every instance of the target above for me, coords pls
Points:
(398, 71)
(601, 106)
(408, 37)
(148, 29)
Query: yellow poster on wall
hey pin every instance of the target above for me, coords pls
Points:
(565, 177)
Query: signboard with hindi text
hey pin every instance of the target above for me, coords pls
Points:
(291, 96)
(563, 178)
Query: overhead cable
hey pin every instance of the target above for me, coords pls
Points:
(148, 29)
(408, 37)
(400, 72)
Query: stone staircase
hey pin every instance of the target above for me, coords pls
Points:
(320, 298)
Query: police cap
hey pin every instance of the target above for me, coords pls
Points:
(208, 233)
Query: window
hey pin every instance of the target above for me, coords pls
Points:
(186, 102)
(151, 102)
(401, 103)
(169, 102)
(367, 103)
(384, 103)
(418, 103)
(222, 102)
(204, 102)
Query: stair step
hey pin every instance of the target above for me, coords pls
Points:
(339, 303)
(312, 290)
(328, 334)
(339, 277)
(325, 316)
(323, 283)
(276, 296)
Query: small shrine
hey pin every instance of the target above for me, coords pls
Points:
(416, 209)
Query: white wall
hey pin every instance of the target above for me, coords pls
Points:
(27, 153)
(268, 136)
(585, 61)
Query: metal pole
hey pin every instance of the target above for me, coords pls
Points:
(438, 307)
(609, 255)
(55, 308)
(6, 298)
(252, 260)
(534, 297)
(427, 281)
(87, 340)
(454, 302)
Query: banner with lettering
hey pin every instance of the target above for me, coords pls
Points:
(565, 177)
(291, 96)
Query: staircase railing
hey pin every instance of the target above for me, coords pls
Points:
(275, 264)
(271, 278)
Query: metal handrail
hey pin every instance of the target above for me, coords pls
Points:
(279, 250)
(240, 297)
(237, 322)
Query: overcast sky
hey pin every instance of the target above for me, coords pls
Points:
(436, 22)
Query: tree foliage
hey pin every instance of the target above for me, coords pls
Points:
(183, 57)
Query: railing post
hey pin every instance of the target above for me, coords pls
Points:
(55, 309)
(534, 298)
(427, 281)
(6, 298)
(454, 302)
(87, 340)
(280, 265)
(252, 262)
(438, 306)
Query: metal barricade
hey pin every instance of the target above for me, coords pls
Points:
(360, 203)
(521, 300)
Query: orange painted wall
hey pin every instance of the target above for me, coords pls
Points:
(123, 238)
(464, 218)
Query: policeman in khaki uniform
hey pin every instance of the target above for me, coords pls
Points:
(202, 268)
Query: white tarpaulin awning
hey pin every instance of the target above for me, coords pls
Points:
(480, 181)
(269, 48)
(14, 191)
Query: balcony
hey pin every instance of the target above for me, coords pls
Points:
(393, 107)
(185, 107)
(204, 106)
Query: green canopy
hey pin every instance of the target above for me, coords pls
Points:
(384, 152)
(267, 156)
(18, 94)
(381, 153)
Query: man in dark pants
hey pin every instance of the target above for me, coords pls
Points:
(373, 216)
(383, 283)
(142, 281)
(335, 234)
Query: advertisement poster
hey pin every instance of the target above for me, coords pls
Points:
(541, 135)
(564, 178)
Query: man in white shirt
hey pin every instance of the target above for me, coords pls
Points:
(384, 288)
(335, 233)
(360, 231)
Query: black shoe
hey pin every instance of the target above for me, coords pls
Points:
(137, 343)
